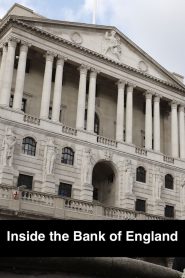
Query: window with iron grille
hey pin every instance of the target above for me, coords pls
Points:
(29, 146)
(25, 180)
(67, 156)
(169, 211)
(169, 181)
(65, 190)
(140, 205)
(141, 174)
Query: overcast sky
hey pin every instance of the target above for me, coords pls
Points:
(157, 26)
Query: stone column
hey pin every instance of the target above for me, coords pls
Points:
(58, 89)
(148, 121)
(81, 98)
(3, 64)
(120, 111)
(157, 136)
(174, 130)
(21, 70)
(129, 113)
(181, 132)
(46, 91)
(91, 101)
(8, 73)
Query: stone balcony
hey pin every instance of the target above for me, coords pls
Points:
(25, 203)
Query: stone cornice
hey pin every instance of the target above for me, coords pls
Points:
(14, 21)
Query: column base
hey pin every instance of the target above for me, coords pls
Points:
(87, 192)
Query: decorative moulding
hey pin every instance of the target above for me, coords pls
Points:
(143, 66)
(76, 38)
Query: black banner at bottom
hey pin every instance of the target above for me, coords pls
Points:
(92, 238)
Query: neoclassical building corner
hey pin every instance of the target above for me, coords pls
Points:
(91, 127)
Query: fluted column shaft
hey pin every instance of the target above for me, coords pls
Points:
(58, 89)
(19, 88)
(91, 101)
(46, 91)
(157, 136)
(129, 114)
(181, 132)
(3, 64)
(8, 73)
(81, 98)
(120, 111)
(148, 121)
(174, 130)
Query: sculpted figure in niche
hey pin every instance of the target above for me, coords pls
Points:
(8, 147)
(113, 44)
(182, 193)
(50, 156)
(128, 177)
(87, 162)
(158, 186)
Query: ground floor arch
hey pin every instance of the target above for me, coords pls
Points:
(104, 181)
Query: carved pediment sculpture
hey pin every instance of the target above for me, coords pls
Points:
(112, 45)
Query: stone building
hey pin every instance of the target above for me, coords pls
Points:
(91, 127)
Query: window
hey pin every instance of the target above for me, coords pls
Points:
(26, 181)
(169, 211)
(141, 174)
(169, 181)
(29, 146)
(96, 122)
(140, 205)
(23, 105)
(67, 156)
(65, 190)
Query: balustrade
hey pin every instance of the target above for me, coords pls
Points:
(31, 120)
(140, 151)
(69, 130)
(106, 141)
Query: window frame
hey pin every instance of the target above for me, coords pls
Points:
(28, 150)
(70, 155)
(136, 203)
(169, 206)
(141, 179)
(65, 184)
(166, 182)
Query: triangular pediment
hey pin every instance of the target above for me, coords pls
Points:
(105, 40)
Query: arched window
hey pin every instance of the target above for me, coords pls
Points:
(67, 156)
(96, 122)
(169, 181)
(29, 146)
(141, 174)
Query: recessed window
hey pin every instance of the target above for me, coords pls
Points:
(141, 174)
(65, 190)
(140, 205)
(67, 156)
(169, 211)
(29, 146)
(169, 181)
(25, 180)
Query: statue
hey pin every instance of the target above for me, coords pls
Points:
(87, 163)
(158, 186)
(49, 157)
(182, 193)
(183, 274)
(8, 147)
(114, 44)
(128, 177)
